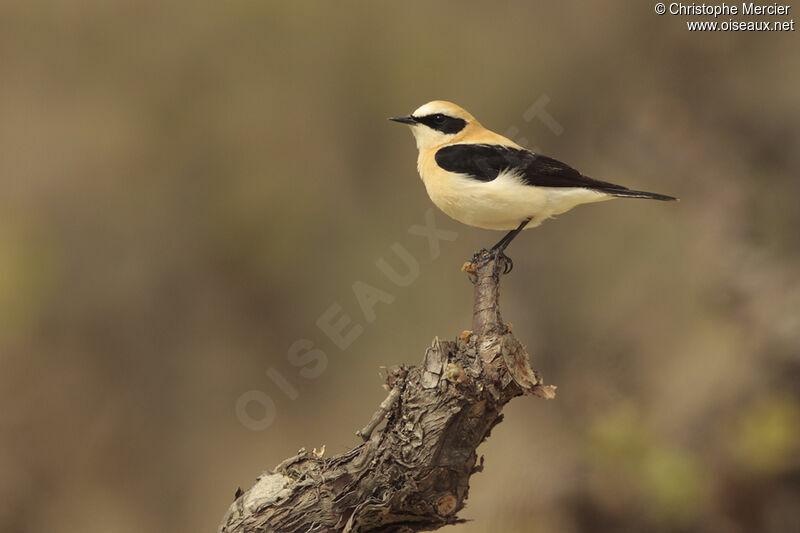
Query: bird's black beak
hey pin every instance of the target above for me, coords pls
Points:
(404, 120)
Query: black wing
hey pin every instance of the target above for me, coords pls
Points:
(485, 162)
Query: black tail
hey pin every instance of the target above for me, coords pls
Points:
(621, 191)
(627, 193)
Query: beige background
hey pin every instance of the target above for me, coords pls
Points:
(188, 186)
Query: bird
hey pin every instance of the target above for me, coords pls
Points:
(483, 179)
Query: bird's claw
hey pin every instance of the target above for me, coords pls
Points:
(508, 264)
(483, 252)
(497, 254)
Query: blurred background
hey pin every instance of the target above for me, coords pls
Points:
(188, 187)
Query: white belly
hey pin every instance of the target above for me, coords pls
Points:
(503, 203)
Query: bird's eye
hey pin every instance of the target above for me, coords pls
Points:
(438, 118)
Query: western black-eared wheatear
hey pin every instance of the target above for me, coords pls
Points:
(483, 179)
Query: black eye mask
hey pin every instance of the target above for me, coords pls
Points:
(443, 123)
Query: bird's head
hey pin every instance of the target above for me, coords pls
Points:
(436, 123)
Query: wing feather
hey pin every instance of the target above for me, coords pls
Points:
(484, 162)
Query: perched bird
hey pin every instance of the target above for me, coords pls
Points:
(483, 179)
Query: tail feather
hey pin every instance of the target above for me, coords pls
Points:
(623, 192)
(628, 193)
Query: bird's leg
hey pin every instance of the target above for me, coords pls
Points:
(498, 249)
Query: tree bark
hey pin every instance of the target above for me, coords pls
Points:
(412, 475)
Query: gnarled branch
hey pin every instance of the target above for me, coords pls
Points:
(413, 475)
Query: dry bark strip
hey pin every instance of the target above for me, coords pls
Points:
(412, 475)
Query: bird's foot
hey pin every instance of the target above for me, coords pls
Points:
(484, 255)
(508, 264)
(470, 266)
(480, 255)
